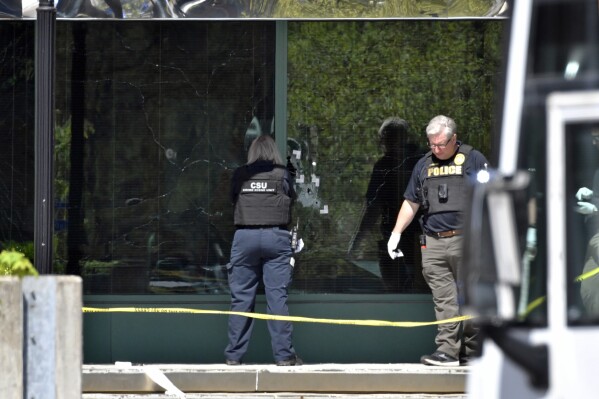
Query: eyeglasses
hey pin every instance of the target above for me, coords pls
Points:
(440, 146)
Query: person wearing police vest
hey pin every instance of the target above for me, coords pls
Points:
(438, 188)
(262, 191)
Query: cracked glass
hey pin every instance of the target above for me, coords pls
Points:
(152, 117)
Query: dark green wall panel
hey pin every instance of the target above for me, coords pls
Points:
(200, 338)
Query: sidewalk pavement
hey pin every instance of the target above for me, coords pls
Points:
(313, 381)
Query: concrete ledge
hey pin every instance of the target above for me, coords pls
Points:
(338, 378)
(52, 336)
(11, 338)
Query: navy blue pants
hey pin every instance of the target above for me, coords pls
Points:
(261, 253)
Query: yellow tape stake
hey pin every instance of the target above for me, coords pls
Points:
(375, 323)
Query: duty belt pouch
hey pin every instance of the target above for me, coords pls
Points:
(295, 242)
(294, 238)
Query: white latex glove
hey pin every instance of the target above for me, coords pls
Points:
(586, 208)
(531, 238)
(584, 193)
(300, 246)
(392, 244)
(530, 253)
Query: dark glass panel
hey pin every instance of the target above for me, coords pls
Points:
(152, 117)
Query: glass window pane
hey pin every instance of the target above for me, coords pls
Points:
(345, 79)
(532, 296)
(17, 92)
(152, 117)
(161, 112)
(582, 180)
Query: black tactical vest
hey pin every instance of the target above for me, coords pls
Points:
(444, 186)
(262, 201)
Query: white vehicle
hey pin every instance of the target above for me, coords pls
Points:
(533, 252)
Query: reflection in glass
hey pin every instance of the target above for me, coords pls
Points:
(388, 181)
(582, 180)
(152, 117)
(287, 9)
(345, 78)
(163, 122)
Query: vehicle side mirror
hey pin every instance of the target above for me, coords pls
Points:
(495, 231)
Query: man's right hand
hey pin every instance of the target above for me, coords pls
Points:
(584, 193)
(586, 208)
(392, 244)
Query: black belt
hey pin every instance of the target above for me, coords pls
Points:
(261, 227)
(445, 234)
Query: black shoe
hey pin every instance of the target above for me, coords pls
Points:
(292, 361)
(231, 362)
(464, 360)
(439, 359)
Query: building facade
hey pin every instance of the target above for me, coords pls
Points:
(155, 106)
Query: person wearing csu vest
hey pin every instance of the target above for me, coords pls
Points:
(262, 191)
(437, 186)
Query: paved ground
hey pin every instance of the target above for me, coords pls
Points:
(314, 381)
(281, 395)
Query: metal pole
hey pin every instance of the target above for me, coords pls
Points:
(45, 34)
(281, 87)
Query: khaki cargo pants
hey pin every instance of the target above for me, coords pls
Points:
(441, 267)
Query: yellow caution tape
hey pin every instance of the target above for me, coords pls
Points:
(375, 323)
(531, 306)
(534, 304)
(586, 275)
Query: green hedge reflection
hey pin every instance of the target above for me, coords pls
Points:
(345, 78)
(377, 8)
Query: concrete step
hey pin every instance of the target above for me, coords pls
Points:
(123, 378)
(283, 395)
